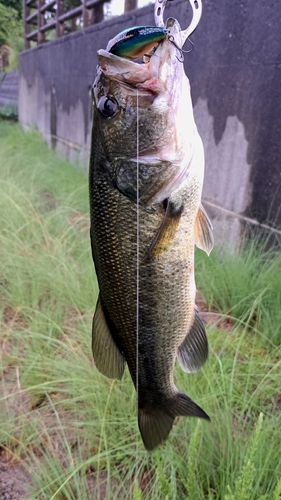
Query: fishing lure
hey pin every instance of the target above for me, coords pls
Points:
(139, 41)
(136, 42)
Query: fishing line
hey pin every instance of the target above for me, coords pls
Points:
(137, 262)
(137, 481)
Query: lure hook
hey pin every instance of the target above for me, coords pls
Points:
(181, 51)
(196, 6)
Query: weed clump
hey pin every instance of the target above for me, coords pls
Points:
(245, 286)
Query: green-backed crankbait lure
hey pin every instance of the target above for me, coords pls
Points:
(136, 42)
(139, 41)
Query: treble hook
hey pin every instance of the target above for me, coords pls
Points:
(196, 6)
(181, 51)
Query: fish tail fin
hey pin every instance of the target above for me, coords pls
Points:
(154, 425)
(156, 422)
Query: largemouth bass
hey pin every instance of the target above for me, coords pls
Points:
(145, 180)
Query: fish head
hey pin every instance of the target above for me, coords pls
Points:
(144, 109)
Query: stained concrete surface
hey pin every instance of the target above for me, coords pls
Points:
(234, 71)
(9, 91)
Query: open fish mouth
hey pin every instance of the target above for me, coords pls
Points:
(160, 46)
(150, 74)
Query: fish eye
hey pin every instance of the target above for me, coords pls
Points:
(107, 106)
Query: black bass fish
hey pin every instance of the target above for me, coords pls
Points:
(145, 180)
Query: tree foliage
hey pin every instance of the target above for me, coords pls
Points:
(10, 25)
(11, 34)
(14, 4)
(70, 4)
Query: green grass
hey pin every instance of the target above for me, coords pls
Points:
(245, 286)
(73, 429)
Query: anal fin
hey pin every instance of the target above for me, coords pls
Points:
(193, 352)
(203, 231)
(108, 359)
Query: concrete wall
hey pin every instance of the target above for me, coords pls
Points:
(9, 92)
(235, 76)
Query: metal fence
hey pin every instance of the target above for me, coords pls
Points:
(55, 18)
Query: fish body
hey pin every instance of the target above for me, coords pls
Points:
(145, 180)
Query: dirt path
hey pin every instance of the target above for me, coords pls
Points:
(14, 480)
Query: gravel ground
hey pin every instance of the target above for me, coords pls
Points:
(14, 480)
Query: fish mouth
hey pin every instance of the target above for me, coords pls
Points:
(128, 72)
(152, 76)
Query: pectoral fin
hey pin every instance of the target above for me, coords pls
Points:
(193, 352)
(108, 359)
(203, 231)
(166, 232)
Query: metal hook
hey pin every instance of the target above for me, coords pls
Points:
(172, 40)
(196, 6)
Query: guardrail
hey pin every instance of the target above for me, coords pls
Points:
(41, 16)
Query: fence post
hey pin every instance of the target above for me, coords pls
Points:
(87, 15)
(131, 5)
(59, 25)
(97, 15)
(26, 12)
(40, 22)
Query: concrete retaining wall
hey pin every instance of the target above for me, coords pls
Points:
(235, 76)
(9, 92)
